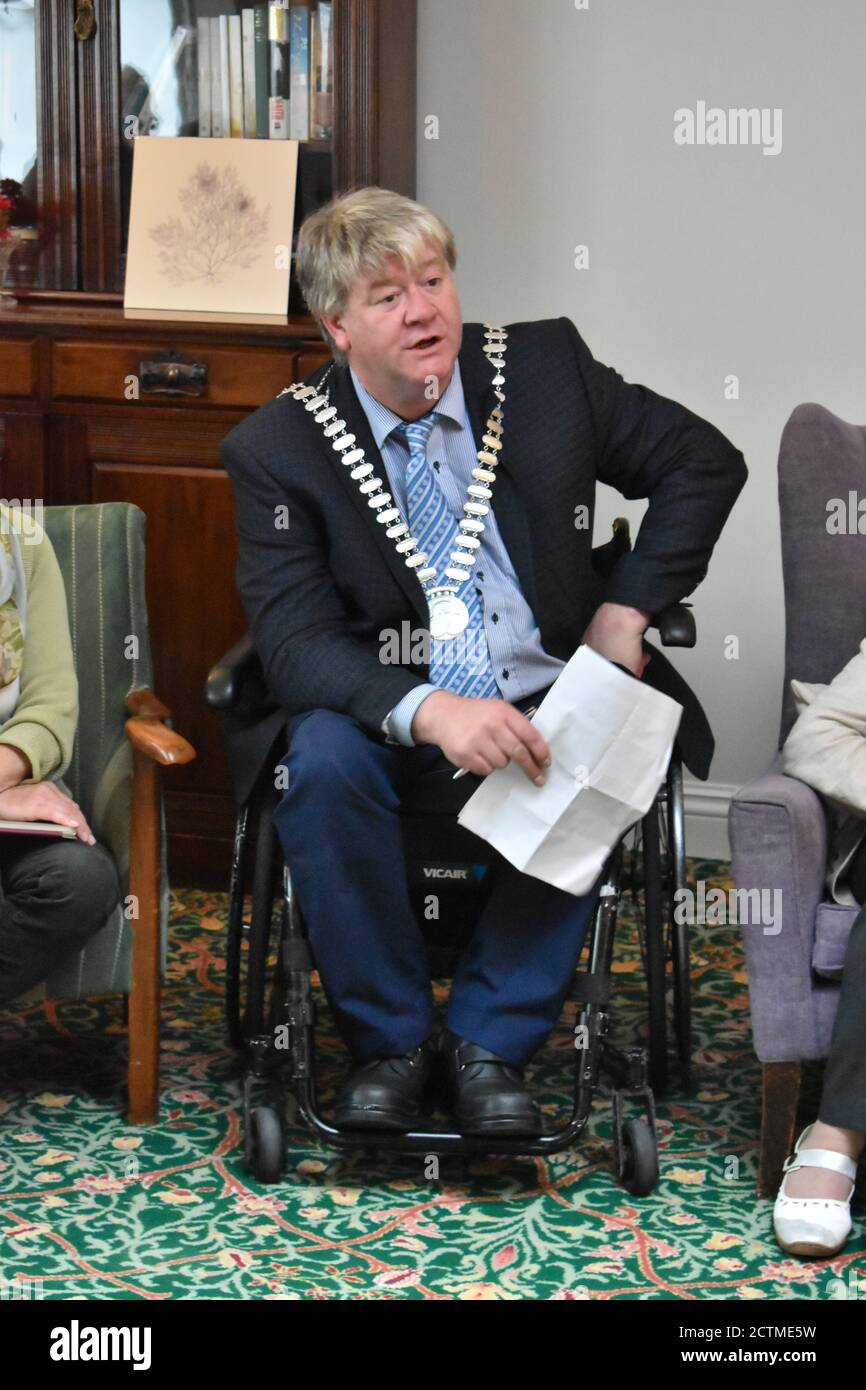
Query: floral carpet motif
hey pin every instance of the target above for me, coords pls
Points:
(92, 1208)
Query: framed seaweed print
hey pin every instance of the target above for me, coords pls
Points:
(210, 232)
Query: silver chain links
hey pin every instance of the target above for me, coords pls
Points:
(480, 491)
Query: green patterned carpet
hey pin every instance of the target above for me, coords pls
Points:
(96, 1209)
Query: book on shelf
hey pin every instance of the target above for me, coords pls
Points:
(236, 79)
(225, 75)
(321, 74)
(278, 87)
(248, 41)
(262, 61)
(299, 71)
(216, 120)
(44, 828)
(204, 76)
(267, 72)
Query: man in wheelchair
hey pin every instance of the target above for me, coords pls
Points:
(490, 442)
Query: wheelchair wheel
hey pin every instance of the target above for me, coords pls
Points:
(677, 881)
(264, 1146)
(640, 1172)
(658, 871)
(262, 931)
(235, 929)
(250, 965)
(653, 923)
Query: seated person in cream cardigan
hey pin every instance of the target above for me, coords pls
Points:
(54, 893)
(826, 748)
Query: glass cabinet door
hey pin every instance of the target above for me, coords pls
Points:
(18, 139)
(80, 78)
(229, 70)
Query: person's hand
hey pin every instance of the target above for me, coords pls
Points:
(44, 801)
(616, 632)
(481, 734)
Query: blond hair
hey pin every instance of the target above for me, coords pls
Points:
(357, 233)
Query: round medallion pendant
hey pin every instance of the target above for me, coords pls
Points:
(448, 616)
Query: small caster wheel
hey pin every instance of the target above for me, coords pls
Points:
(264, 1148)
(641, 1158)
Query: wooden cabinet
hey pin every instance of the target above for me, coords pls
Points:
(18, 367)
(89, 409)
(75, 435)
(72, 435)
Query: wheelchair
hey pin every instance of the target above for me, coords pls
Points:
(269, 1005)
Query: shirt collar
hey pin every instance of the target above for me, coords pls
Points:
(451, 405)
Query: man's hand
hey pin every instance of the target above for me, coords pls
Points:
(44, 801)
(481, 734)
(617, 632)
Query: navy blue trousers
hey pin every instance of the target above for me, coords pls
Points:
(339, 827)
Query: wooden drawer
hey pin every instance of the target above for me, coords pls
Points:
(18, 370)
(221, 376)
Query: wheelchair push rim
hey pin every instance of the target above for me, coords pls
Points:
(658, 874)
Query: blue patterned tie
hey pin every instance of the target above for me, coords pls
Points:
(461, 665)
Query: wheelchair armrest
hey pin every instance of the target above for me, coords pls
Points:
(226, 679)
(676, 625)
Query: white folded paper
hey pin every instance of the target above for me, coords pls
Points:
(610, 739)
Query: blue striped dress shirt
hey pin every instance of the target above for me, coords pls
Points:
(520, 663)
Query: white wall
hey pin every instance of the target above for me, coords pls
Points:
(556, 127)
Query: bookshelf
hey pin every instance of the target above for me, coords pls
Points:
(233, 71)
(68, 431)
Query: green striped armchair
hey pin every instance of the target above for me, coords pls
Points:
(123, 738)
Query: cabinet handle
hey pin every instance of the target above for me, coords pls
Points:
(169, 376)
(85, 19)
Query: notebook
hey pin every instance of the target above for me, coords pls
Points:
(37, 827)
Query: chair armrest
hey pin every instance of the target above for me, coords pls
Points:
(774, 788)
(778, 831)
(676, 625)
(145, 703)
(226, 679)
(150, 735)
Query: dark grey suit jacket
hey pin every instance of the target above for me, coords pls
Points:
(318, 593)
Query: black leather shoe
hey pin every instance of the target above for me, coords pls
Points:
(388, 1092)
(486, 1093)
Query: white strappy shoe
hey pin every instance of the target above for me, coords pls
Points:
(814, 1226)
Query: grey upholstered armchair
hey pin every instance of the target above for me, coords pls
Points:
(778, 825)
